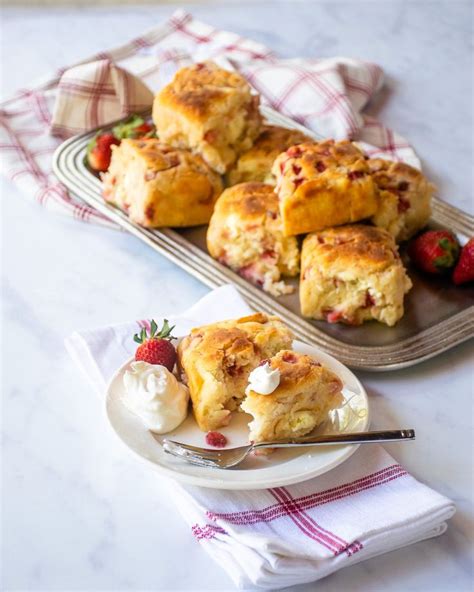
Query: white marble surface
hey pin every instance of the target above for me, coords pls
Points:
(78, 513)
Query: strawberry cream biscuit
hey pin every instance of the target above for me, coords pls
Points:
(210, 111)
(352, 274)
(245, 234)
(323, 184)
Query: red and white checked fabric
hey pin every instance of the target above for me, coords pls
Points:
(326, 95)
(93, 94)
(274, 538)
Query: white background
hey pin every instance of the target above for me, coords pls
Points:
(78, 513)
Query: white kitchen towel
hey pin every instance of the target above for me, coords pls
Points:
(326, 95)
(273, 538)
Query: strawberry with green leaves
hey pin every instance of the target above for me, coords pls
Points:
(156, 347)
(434, 251)
(99, 150)
(464, 270)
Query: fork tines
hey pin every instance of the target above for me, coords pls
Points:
(193, 454)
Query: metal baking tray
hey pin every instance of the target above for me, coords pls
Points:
(438, 315)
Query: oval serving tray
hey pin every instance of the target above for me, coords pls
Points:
(438, 314)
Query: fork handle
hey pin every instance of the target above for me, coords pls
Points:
(354, 438)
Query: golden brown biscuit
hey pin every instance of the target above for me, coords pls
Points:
(159, 185)
(302, 401)
(209, 110)
(217, 359)
(323, 184)
(351, 274)
(404, 198)
(245, 234)
(256, 164)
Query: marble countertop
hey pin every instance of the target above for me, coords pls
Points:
(78, 513)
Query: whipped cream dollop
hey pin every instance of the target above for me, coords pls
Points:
(156, 396)
(263, 380)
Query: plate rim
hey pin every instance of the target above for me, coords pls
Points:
(230, 485)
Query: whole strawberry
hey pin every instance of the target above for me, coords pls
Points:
(464, 270)
(434, 251)
(99, 151)
(156, 348)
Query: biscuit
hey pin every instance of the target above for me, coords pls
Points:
(302, 401)
(158, 185)
(404, 198)
(256, 164)
(217, 359)
(351, 274)
(245, 234)
(324, 184)
(210, 111)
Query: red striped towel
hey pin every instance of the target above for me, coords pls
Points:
(273, 538)
(326, 95)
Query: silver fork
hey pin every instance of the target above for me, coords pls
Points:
(225, 458)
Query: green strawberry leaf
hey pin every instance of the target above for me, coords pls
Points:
(166, 330)
(445, 243)
(442, 262)
(126, 129)
(153, 328)
(92, 144)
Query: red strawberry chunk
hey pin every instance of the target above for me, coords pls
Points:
(334, 316)
(249, 272)
(355, 175)
(369, 300)
(296, 169)
(216, 439)
(269, 255)
(211, 136)
(403, 205)
(294, 152)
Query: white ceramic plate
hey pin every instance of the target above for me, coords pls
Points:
(282, 467)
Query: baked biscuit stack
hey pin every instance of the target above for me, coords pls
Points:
(282, 185)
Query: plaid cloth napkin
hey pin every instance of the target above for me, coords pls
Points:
(93, 94)
(326, 95)
(270, 539)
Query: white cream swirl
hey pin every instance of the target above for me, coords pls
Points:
(156, 396)
(263, 380)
